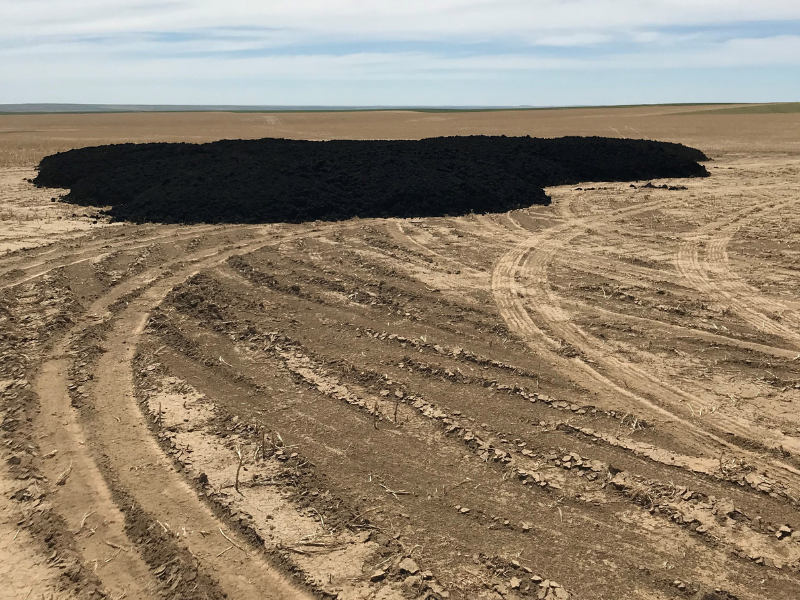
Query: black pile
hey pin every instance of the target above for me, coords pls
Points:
(277, 180)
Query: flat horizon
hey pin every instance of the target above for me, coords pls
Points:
(69, 107)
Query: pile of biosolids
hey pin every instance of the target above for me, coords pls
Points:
(278, 180)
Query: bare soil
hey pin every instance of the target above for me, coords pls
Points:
(595, 399)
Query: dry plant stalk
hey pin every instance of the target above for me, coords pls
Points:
(395, 493)
(263, 443)
(83, 520)
(447, 491)
(240, 454)
(62, 479)
(231, 541)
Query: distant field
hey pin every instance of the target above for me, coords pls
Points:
(715, 129)
(558, 108)
(701, 108)
(752, 109)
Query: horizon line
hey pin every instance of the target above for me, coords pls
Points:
(87, 108)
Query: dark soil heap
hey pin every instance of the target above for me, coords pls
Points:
(278, 180)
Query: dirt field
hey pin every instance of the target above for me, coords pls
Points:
(596, 399)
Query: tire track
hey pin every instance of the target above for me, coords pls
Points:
(617, 370)
(712, 274)
(530, 258)
(92, 252)
(117, 432)
(84, 500)
(340, 385)
(617, 269)
(505, 282)
(564, 362)
(684, 330)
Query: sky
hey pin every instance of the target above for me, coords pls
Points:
(399, 53)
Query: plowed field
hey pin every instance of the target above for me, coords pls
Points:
(593, 399)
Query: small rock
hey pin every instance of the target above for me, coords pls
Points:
(784, 531)
(407, 565)
(439, 590)
(514, 583)
(412, 581)
(378, 575)
(501, 589)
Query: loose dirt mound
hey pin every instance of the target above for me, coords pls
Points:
(278, 180)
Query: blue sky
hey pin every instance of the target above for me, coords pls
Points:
(433, 52)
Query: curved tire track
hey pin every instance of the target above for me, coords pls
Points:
(712, 275)
(529, 260)
(117, 433)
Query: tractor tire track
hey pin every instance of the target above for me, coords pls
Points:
(530, 260)
(92, 251)
(712, 274)
(118, 424)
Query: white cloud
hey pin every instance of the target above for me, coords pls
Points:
(783, 50)
(409, 19)
(192, 44)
